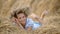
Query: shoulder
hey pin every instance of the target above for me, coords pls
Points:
(29, 20)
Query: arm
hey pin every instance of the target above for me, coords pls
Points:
(18, 24)
(40, 19)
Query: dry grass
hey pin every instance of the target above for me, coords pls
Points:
(52, 19)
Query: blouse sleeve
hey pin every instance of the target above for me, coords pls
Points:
(29, 23)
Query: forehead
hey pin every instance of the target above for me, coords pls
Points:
(21, 14)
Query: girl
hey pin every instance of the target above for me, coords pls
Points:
(27, 23)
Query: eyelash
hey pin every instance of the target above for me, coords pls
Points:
(20, 17)
(23, 16)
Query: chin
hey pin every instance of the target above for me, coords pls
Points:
(23, 22)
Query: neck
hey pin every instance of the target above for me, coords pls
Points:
(23, 24)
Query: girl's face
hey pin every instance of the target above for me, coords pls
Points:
(21, 18)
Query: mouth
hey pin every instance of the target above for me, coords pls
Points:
(23, 21)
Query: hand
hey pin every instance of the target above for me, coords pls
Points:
(13, 19)
(45, 12)
(29, 29)
(16, 20)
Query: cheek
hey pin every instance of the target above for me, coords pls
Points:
(25, 18)
(19, 19)
(22, 19)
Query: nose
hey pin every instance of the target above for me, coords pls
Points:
(22, 18)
